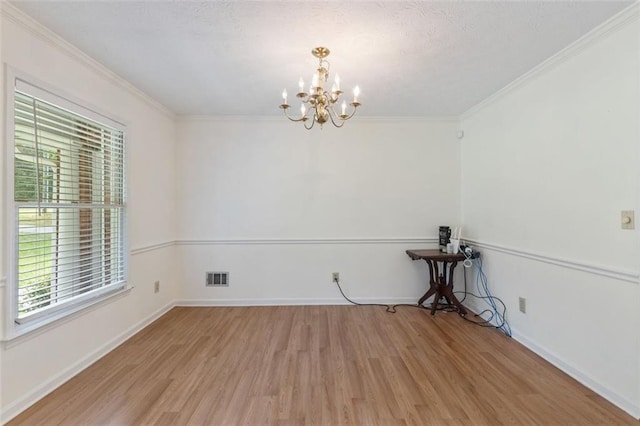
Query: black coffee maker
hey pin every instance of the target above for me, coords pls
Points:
(444, 236)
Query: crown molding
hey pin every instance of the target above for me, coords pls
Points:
(227, 118)
(416, 119)
(608, 27)
(17, 16)
(282, 119)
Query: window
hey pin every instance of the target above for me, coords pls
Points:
(69, 210)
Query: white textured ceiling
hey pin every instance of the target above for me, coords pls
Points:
(235, 57)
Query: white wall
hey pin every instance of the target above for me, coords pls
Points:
(3, 267)
(36, 363)
(547, 167)
(280, 207)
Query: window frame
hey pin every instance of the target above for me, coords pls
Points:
(14, 328)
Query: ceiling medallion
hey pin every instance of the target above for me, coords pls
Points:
(317, 105)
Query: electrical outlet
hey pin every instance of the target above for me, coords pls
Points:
(335, 277)
(156, 287)
(522, 302)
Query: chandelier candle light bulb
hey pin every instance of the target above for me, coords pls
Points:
(320, 101)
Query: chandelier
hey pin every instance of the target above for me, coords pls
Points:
(317, 105)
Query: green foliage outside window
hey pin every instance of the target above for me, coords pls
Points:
(34, 283)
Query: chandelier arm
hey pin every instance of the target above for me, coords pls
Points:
(331, 116)
(352, 113)
(313, 121)
(296, 119)
(332, 107)
(348, 116)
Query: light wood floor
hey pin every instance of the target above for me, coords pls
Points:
(320, 365)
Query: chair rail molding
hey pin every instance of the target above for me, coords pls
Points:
(605, 271)
(307, 241)
(151, 247)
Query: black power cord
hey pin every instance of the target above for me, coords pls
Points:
(388, 308)
(391, 308)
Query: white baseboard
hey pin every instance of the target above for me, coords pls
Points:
(294, 302)
(620, 401)
(17, 407)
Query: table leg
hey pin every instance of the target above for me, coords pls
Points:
(428, 294)
(436, 279)
(433, 285)
(448, 292)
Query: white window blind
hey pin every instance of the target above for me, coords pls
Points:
(69, 200)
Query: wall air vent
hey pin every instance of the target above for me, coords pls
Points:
(217, 279)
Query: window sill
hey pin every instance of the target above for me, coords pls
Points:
(16, 333)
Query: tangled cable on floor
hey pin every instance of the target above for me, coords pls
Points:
(496, 318)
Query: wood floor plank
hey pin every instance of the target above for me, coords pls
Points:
(319, 365)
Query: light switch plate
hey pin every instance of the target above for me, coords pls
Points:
(627, 219)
